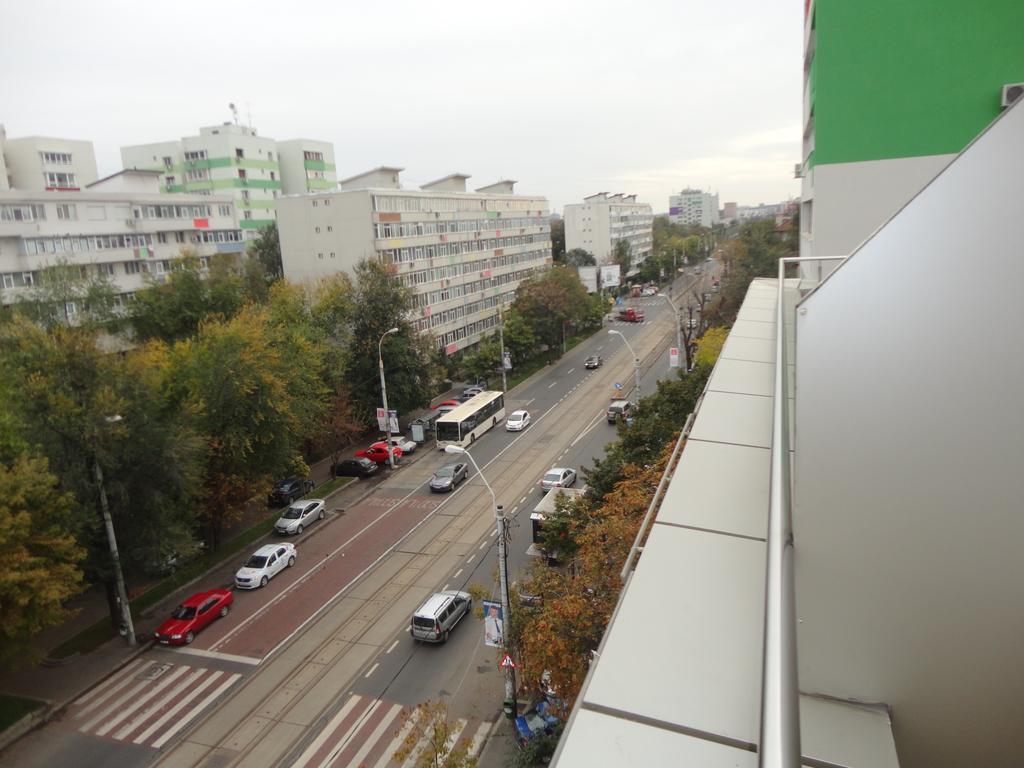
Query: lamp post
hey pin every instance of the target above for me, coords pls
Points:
(636, 361)
(384, 396)
(115, 558)
(506, 608)
(679, 335)
(501, 341)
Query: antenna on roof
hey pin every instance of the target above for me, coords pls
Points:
(248, 113)
(234, 111)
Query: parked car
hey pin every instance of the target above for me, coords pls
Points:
(448, 403)
(434, 620)
(288, 490)
(264, 564)
(558, 477)
(358, 467)
(379, 453)
(517, 421)
(536, 720)
(592, 362)
(193, 615)
(444, 409)
(472, 391)
(299, 515)
(404, 444)
(448, 477)
(619, 410)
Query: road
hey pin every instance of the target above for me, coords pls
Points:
(318, 667)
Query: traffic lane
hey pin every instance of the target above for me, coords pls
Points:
(59, 743)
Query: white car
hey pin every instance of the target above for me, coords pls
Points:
(558, 477)
(264, 564)
(517, 421)
(407, 445)
(299, 515)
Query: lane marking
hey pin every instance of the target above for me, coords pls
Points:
(124, 680)
(219, 655)
(457, 573)
(570, 371)
(141, 701)
(105, 712)
(445, 587)
(479, 738)
(514, 510)
(343, 742)
(125, 672)
(399, 739)
(552, 384)
(471, 558)
(371, 741)
(325, 734)
(393, 646)
(483, 544)
(177, 708)
(145, 714)
(372, 670)
(522, 500)
(195, 712)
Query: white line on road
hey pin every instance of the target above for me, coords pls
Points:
(119, 677)
(105, 712)
(218, 655)
(371, 741)
(108, 692)
(177, 708)
(479, 738)
(522, 500)
(145, 714)
(195, 712)
(552, 384)
(325, 734)
(570, 371)
(457, 573)
(399, 739)
(141, 701)
(392, 647)
(593, 423)
(483, 544)
(471, 559)
(371, 670)
(514, 510)
(445, 587)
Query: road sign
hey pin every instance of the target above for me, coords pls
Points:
(507, 662)
(618, 385)
(391, 422)
(673, 357)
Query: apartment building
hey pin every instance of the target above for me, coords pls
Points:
(602, 220)
(121, 227)
(693, 207)
(45, 164)
(232, 159)
(867, 150)
(463, 253)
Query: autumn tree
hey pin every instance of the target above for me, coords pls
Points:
(623, 256)
(430, 739)
(550, 301)
(266, 249)
(71, 294)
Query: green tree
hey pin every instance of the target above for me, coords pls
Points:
(484, 359)
(39, 570)
(578, 257)
(557, 239)
(551, 301)
(74, 294)
(623, 256)
(520, 342)
(266, 249)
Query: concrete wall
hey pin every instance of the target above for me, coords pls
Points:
(324, 234)
(27, 171)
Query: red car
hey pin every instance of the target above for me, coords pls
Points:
(379, 453)
(194, 614)
(452, 403)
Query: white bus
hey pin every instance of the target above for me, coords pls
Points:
(465, 423)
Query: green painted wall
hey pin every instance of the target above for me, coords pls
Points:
(908, 78)
(318, 165)
(255, 223)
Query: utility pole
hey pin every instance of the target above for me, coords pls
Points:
(115, 559)
(384, 396)
(511, 705)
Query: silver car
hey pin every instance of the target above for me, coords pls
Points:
(449, 476)
(558, 477)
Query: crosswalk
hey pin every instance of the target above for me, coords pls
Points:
(367, 732)
(148, 701)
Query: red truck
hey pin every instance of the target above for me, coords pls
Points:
(631, 315)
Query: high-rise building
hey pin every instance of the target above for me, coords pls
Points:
(41, 163)
(120, 227)
(462, 253)
(868, 149)
(693, 207)
(232, 159)
(602, 220)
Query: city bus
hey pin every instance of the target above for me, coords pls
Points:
(466, 422)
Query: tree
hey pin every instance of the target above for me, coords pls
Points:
(578, 257)
(67, 293)
(520, 342)
(623, 256)
(550, 301)
(266, 249)
(430, 725)
(39, 570)
(484, 359)
(557, 239)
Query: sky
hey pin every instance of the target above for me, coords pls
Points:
(569, 98)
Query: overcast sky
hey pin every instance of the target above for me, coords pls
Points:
(569, 98)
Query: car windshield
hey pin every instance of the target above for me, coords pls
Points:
(552, 477)
(445, 472)
(256, 561)
(516, 417)
(292, 513)
(184, 612)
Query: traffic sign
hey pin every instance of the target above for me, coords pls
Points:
(618, 385)
(507, 662)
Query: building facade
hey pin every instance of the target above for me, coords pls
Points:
(602, 220)
(868, 150)
(120, 227)
(44, 164)
(693, 207)
(462, 253)
(233, 160)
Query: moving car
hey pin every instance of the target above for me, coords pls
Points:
(288, 490)
(404, 444)
(299, 515)
(451, 403)
(358, 467)
(472, 391)
(592, 362)
(517, 421)
(378, 453)
(193, 615)
(619, 410)
(558, 477)
(449, 476)
(536, 720)
(434, 620)
(264, 564)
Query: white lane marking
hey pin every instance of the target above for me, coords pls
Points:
(343, 741)
(593, 423)
(445, 587)
(218, 655)
(471, 558)
(119, 677)
(177, 708)
(392, 647)
(141, 701)
(372, 670)
(483, 544)
(371, 741)
(514, 510)
(105, 712)
(195, 712)
(399, 739)
(110, 691)
(552, 384)
(453, 737)
(529, 401)
(479, 738)
(457, 573)
(522, 500)
(145, 714)
(570, 371)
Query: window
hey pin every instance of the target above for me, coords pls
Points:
(106, 268)
(60, 180)
(270, 156)
(224, 210)
(132, 267)
(56, 158)
(241, 173)
(272, 177)
(239, 153)
(23, 213)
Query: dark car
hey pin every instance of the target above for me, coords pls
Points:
(449, 476)
(358, 467)
(288, 490)
(594, 361)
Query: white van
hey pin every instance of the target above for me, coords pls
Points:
(434, 620)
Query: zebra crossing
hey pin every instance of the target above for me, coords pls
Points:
(148, 702)
(367, 732)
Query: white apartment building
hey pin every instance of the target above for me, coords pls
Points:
(602, 220)
(693, 207)
(41, 163)
(463, 253)
(233, 160)
(121, 227)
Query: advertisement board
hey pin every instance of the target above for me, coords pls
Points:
(609, 275)
(588, 276)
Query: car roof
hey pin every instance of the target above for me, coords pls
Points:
(433, 604)
(518, 413)
(559, 470)
(268, 549)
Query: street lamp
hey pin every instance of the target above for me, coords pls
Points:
(679, 335)
(636, 361)
(499, 517)
(384, 395)
(115, 558)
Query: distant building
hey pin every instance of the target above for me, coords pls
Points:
(759, 211)
(729, 212)
(602, 220)
(232, 159)
(693, 207)
(120, 227)
(462, 253)
(41, 163)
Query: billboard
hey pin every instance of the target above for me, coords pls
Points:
(588, 276)
(609, 275)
